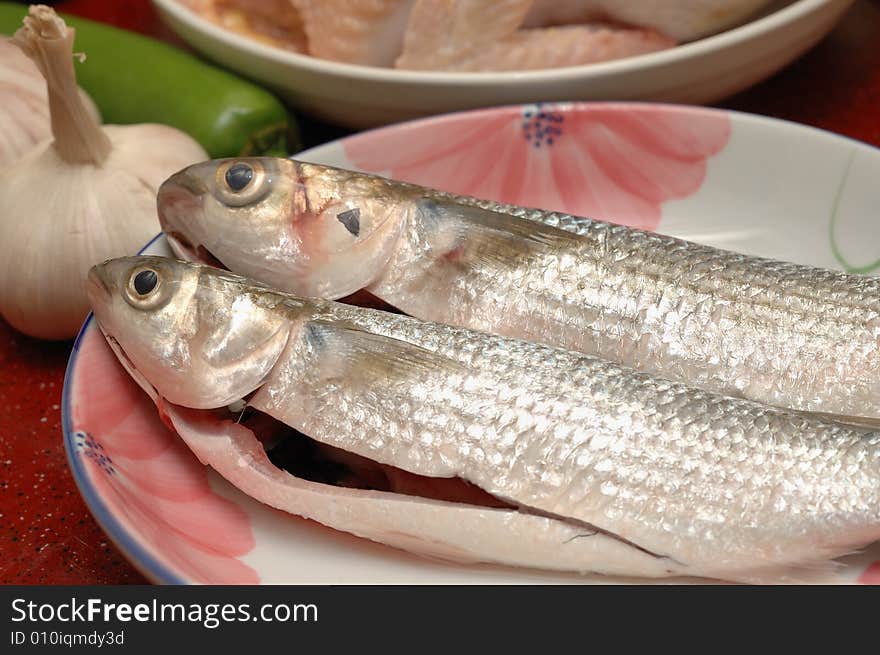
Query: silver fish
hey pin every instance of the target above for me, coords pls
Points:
(589, 466)
(774, 332)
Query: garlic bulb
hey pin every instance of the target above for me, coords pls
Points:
(24, 106)
(79, 198)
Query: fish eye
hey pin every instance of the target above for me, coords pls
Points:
(240, 183)
(145, 281)
(144, 288)
(238, 176)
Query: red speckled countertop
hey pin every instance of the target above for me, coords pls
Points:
(46, 532)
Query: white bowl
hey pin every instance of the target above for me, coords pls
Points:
(361, 96)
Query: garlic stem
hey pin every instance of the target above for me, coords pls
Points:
(45, 38)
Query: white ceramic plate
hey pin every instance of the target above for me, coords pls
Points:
(753, 184)
(360, 96)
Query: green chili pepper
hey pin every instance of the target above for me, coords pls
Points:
(136, 79)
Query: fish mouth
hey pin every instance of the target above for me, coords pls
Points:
(178, 202)
(97, 286)
(184, 249)
(182, 183)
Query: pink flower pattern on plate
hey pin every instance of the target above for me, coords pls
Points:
(149, 479)
(612, 162)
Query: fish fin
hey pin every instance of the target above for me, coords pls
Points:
(867, 422)
(336, 373)
(347, 351)
(814, 572)
(483, 235)
(559, 220)
(822, 566)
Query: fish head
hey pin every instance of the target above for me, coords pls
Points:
(201, 337)
(308, 229)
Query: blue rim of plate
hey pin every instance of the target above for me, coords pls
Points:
(125, 540)
(128, 542)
